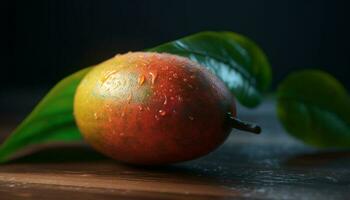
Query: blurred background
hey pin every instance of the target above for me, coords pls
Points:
(46, 40)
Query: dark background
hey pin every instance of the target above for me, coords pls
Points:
(44, 41)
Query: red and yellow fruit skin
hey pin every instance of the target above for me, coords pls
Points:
(151, 108)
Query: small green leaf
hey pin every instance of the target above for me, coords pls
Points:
(315, 108)
(237, 60)
(51, 120)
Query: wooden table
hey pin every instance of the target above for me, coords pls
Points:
(270, 166)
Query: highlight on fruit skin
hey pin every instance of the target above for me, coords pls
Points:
(151, 108)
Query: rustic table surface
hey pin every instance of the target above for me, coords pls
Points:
(270, 166)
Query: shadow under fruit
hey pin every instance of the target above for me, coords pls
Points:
(151, 108)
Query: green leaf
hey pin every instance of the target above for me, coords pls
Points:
(234, 58)
(237, 60)
(51, 120)
(315, 108)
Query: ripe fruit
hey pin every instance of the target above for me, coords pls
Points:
(151, 108)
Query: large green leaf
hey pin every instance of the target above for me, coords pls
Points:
(51, 120)
(314, 107)
(237, 60)
(234, 58)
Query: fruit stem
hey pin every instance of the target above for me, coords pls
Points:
(245, 126)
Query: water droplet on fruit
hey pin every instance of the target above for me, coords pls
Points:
(153, 77)
(141, 80)
(165, 100)
(170, 90)
(140, 108)
(107, 75)
(148, 108)
(165, 68)
(175, 75)
(185, 79)
(171, 98)
(129, 98)
(162, 112)
(144, 64)
(191, 118)
(170, 78)
(95, 116)
(179, 98)
(156, 116)
(192, 76)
